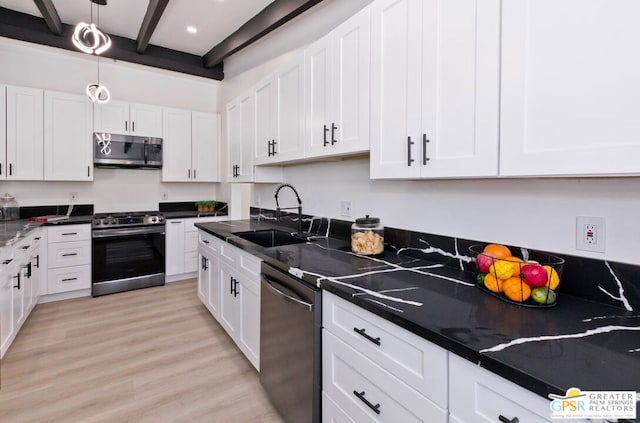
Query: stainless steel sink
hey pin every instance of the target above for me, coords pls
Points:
(270, 237)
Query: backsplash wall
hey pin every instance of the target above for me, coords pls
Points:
(533, 212)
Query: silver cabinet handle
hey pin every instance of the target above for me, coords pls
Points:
(288, 297)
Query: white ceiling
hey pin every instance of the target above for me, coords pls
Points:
(214, 19)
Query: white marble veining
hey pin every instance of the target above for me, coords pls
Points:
(429, 250)
(610, 317)
(590, 332)
(621, 296)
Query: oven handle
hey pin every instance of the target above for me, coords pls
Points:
(110, 233)
(266, 280)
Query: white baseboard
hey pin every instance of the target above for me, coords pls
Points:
(64, 296)
(180, 277)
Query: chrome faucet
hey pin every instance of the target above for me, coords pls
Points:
(279, 209)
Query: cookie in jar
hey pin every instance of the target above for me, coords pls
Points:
(367, 236)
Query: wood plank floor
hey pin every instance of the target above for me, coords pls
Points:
(151, 355)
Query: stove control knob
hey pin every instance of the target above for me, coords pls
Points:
(154, 219)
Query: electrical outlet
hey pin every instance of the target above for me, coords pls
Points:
(345, 208)
(73, 197)
(590, 233)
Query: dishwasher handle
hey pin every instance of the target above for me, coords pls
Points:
(287, 297)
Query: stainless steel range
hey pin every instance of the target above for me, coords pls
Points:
(127, 251)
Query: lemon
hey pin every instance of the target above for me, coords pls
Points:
(501, 269)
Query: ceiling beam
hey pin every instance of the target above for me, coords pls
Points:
(50, 15)
(24, 27)
(271, 17)
(149, 23)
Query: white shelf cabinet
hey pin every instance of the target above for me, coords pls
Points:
(434, 88)
(119, 117)
(569, 88)
(241, 139)
(190, 146)
(25, 134)
(279, 115)
(68, 128)
(233, 290)
(337, 89)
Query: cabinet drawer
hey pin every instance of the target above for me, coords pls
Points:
(357, 385)
(190, 241)
(65, 254)
(65, 279)
(69, 233)
(415, 361)
(249, 264)
(480, 396)
(209, 242)
(331, 413)
(228, 252)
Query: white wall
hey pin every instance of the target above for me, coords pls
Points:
(30, 65)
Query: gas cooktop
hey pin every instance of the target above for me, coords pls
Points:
(127, 219)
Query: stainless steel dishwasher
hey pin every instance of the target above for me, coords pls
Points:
(290, 345)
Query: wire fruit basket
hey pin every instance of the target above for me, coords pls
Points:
(528, 278)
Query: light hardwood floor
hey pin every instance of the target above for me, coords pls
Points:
(151, 355)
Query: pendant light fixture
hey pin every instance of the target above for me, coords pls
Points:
(89, 39)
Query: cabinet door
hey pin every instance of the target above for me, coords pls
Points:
(112, 117)
(36, 274)
(204, 271)
(176, 145)
(205, 147)
(460, 88)
(214, 290)
(318, 65)
(265, 116)
(234, 138)
(25, 132)
(68, 127)
(146, 120)
(396, 26)
(290, 118)
(247, 139)
(3, 132)
(18, 280)
(229, 309)
(249, 328)
(174, 254)
(569, 88)
(6, 308)
(349, 126)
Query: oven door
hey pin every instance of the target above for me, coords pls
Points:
(127, 258)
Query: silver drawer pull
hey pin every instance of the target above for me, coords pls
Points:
(367, 336)
(503, 419)
(69, 279)
(69, 233)
(69, 254)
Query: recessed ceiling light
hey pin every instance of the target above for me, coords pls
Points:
(192, 29)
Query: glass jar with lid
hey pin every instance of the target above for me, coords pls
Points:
(9, 208)
(367, 236)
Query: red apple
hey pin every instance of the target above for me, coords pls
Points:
(484, 262)
(534, 275)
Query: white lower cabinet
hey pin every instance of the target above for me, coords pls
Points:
(68, 258)
(375, 371)
(229, 286)
(19, 286)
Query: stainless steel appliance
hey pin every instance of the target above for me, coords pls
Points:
(127, 251)
(115, 150)
(290, 345)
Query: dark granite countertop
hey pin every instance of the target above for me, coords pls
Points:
(578, 343)
(190, 214)
(13, 230)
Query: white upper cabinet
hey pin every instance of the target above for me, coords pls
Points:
(241, 139)
(190, 146)
(68, 123)
(280, 121)
(3, 132)
(337, 89)
(25, 133)
(120, 117)
(570, 88)
(434, 88)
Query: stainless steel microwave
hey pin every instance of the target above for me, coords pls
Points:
(115, 150)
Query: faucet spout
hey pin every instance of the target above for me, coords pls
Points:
(278, 208)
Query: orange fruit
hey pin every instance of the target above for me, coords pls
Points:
(497, 251)
(492, 283)
(554, 278)
(516, 264)
(516, 290)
